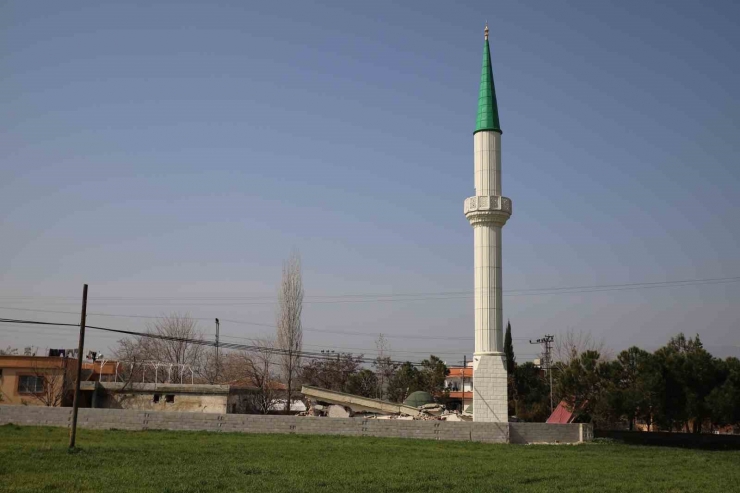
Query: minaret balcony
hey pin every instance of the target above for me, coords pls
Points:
(488, 209)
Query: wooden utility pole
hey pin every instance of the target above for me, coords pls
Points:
(462, 399)
(80, 349)
(547, 343)
(218, 327)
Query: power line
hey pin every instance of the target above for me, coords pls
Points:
(20, 328)
(202, 342)
(17, 327)
(523, 292)
(257, 324)
(34, 322)
(371, 298)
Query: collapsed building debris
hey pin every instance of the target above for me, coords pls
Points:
(419, 406)
(322, 399)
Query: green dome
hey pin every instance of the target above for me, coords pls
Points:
(419, 398)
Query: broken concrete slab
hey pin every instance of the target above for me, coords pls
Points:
(358, 403)
(337, 411)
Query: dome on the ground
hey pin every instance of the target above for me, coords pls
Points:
(419, 398)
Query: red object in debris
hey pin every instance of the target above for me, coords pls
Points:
(561, 415)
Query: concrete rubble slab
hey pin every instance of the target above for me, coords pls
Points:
(356, 403)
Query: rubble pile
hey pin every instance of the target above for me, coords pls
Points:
(425, 412)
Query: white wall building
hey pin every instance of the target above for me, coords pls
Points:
(459, 384)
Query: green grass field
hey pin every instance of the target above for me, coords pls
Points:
(36, 459)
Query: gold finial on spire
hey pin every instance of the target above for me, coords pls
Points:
(486, 31)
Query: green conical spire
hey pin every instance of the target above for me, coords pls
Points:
(487, 107)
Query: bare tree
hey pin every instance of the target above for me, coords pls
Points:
(261, 367)
(50, 385)
(212, 364)
(289, 329)
(128, 355)
(212, 367)
(175, 341)
(384, 366)
(572, 344)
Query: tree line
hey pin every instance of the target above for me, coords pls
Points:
(679, 387)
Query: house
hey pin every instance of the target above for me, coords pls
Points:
(35, 380)
(459, 383)
(561, 414)
(198, 398)
(180, 397)
(43, 380)
(49, 381)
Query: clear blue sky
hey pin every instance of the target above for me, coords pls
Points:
(176, 152)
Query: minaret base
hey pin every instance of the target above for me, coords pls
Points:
(490, 397)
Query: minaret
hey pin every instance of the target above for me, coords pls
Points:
(487, 212)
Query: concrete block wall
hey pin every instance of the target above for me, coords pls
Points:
(547, 433)
(252, 423)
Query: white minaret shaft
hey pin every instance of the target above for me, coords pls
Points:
(487, 212)
(489, 317)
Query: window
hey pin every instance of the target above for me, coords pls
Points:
(169, 398)
(156, 398)
(30, 384)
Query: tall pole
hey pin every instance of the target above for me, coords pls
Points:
(217, 331)
(80, 349)
(548, 345)
(546, 341)
(465, 366)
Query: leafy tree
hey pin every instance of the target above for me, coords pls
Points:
(432, 375)
(584, 386)
(509, 351)
(690, 373)
(531, 393)
(679, 387)
(671, 414)
(724, 400)
(331, 373)
(405, 380)
(364, 383)
(510, 370)
(637, 386)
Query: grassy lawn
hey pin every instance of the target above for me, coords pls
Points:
(36, 459)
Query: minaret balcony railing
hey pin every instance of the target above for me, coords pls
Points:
(488, 203)
(488, 209)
